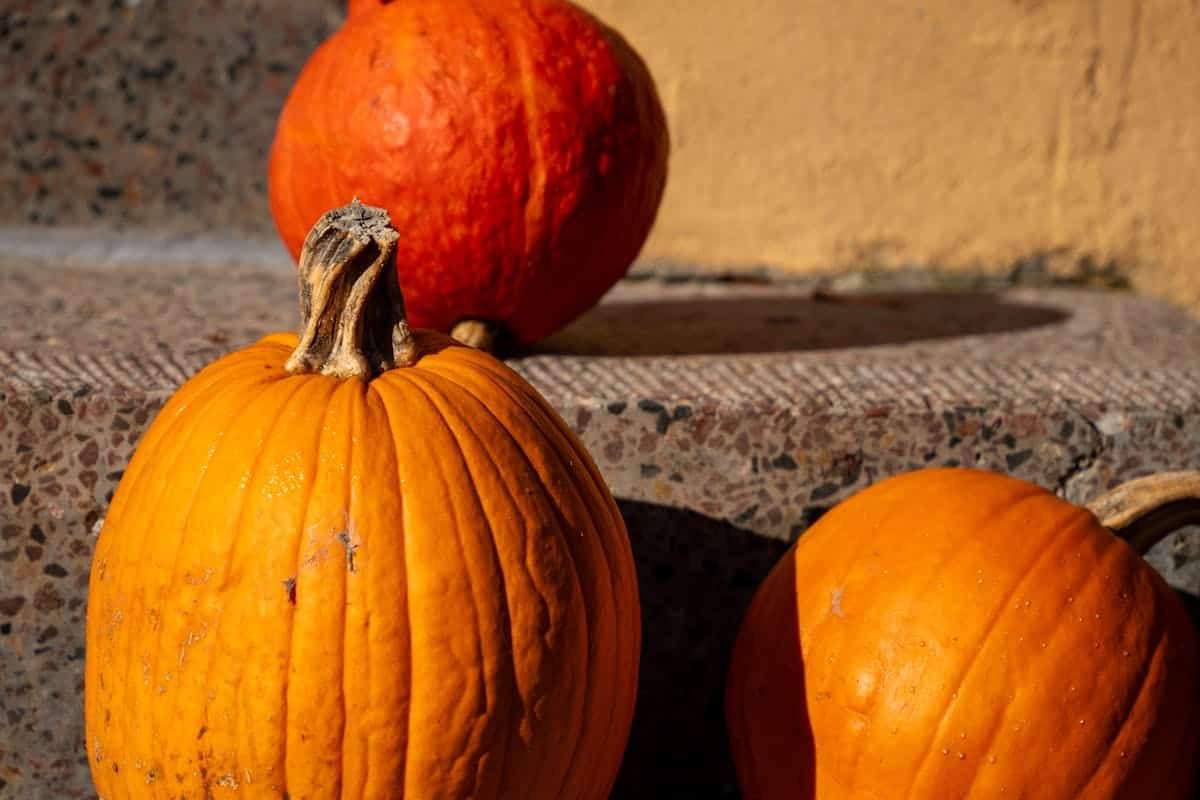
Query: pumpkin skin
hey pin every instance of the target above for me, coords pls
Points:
(955, 633)
(519, 145)
(413, 586)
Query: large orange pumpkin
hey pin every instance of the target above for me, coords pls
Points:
(952, 633)
(519, 144)
(368, 563)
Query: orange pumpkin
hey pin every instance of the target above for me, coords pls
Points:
(519, 144)
(369, 562)
(951, 633)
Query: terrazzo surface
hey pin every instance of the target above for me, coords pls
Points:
(726, 418)
(137, 111)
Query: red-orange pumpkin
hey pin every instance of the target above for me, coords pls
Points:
(370, 563)
(519, 146)
(958, 634)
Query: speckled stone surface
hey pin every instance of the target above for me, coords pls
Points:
(144, 111)
(726, 418)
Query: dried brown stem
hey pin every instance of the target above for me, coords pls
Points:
(351, 309)
(1145, 510)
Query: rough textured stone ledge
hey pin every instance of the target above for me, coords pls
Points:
(725, 416)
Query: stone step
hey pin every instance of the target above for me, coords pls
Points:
(726, 416)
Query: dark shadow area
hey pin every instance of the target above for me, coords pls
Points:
(1192, 603)
(757, 324)
(696, 576)
(768, 711)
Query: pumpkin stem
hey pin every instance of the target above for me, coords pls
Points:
(1143, 511)
(478, 333)
(351, 309)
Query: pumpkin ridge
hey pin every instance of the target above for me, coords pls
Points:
(417, 383)
(360, 425)
(1186, 763)
(536, 407)
(885, 519)
(563, 526)
(269, 431)
(360, 774)
(556, 437)
(155, 434)
(185, 429)
(137, 472)
(534, 212)
(358, 388)
(291, 617)
(1183, 760)
(373, 389)
(863, 544)
(173, 580)
(431, 390)
(1129, 704)
(314, 685)
(1083, 519)
(827, 614)
(1002, 716)
(1156, 655)
(881, 520)
(398, 379)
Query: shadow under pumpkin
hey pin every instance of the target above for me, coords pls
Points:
(696, 577)
(756, 324)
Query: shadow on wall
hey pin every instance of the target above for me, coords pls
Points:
(696, 576)
(756, 324)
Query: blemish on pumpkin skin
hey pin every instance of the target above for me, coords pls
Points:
(344, 538)
(116, 620)
(835, 601)
(316, 558)
(289, 585)
(192, 580)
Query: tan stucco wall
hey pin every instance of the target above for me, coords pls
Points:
(813, 136)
